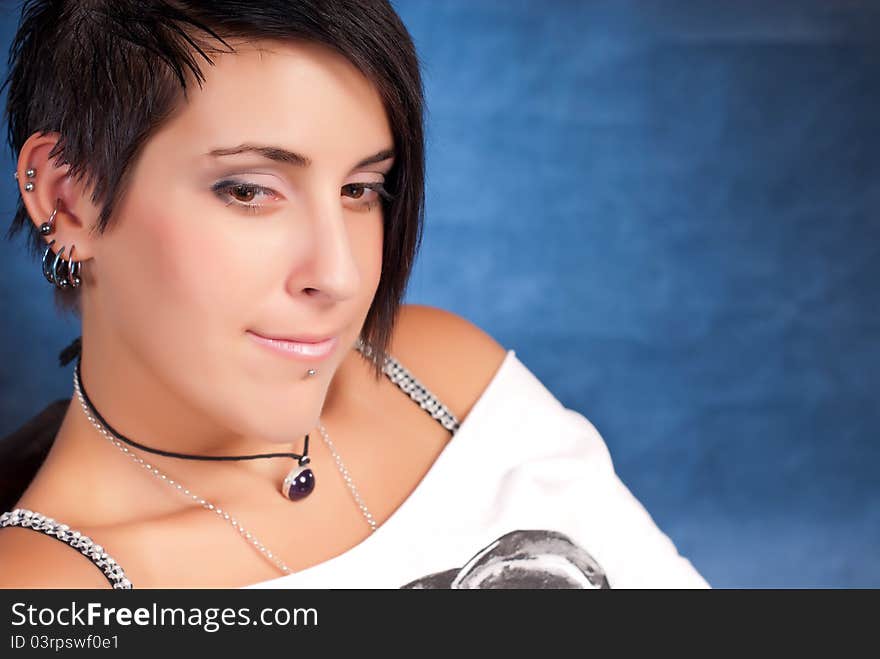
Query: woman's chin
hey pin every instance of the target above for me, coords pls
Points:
(286, 431)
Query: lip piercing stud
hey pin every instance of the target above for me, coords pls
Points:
(311, 372)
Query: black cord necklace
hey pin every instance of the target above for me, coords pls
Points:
(298, 484)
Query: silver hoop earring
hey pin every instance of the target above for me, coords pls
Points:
(64, 274)
(47, 269)
(73, 279)
(60, 278)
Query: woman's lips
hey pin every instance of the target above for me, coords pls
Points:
(303, 350)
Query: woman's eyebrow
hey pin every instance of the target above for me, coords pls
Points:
(279, 154)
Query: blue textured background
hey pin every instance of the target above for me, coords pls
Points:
(668, 210)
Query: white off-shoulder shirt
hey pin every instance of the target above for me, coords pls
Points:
(524, 495)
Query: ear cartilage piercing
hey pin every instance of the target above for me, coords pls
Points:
(30, 172)
(48, 226)
(29, 186)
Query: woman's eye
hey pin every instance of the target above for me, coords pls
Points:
(243, 193)
(236, 193)
(246, 195)
(367, 193)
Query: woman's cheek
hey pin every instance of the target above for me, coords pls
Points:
(366, 238)
(178, 253)
(194, 255)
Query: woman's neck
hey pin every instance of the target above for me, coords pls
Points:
(88, 480)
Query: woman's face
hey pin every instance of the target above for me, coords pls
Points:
(224, 231)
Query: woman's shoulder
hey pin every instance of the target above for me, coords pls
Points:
(455, 358)
(35, 560)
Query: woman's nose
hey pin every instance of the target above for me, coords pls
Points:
(330, 266)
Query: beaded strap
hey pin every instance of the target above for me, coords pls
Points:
(94, 552)
(401, 376)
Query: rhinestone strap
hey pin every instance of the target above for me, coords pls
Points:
(401, 376)
(94, 552)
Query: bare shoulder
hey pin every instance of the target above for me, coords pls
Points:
(449, 354)
(31, 559)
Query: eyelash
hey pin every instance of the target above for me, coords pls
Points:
(223, 188)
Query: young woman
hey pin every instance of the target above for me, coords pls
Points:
(230, 199)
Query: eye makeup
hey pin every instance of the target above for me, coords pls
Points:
(227, 191)
(240, 194)
(377, 188)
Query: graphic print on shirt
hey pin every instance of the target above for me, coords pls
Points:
(522, 559)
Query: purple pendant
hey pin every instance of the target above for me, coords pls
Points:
(299, 483)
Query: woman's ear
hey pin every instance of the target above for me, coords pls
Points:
(53, 189)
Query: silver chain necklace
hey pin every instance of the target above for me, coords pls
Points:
(207, 505)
